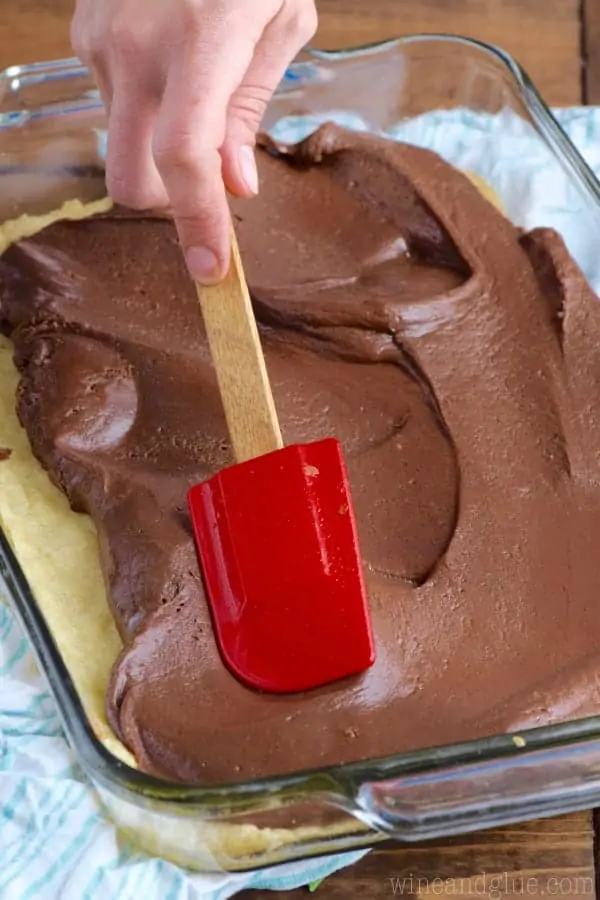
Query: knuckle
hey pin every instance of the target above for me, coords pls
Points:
(201, 203)
(96, 55)
(204, 21)
(194, 152)
(89, 50)
(302, 19)
(123, 39)
(196, 221)
(249, 104)
(176, 152)
(199, 228)
(195, 27)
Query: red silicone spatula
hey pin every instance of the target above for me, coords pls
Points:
(276, 533)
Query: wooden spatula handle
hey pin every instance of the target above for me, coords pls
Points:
(239, 363)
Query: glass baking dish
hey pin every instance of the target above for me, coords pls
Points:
(51, 128)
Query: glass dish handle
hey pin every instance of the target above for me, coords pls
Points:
(461, 798)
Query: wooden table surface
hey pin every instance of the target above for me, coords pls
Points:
(558, 43)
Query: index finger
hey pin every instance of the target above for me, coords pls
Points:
(189, 133)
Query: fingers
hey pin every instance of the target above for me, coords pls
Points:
(245, 113)
(189, 133)
(82, 27)
(124, 70)
(132, 178)
(185, 88)
(283, 38)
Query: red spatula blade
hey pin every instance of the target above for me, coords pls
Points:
(278, 546)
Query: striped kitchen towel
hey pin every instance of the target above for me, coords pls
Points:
(54, 842)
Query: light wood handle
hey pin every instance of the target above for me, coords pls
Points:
(239, 363)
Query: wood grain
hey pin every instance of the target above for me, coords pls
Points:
(34, 30)
(544, 35)
(591, 51)
(546, 858)
(239, 363)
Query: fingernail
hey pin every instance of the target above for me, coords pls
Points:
(203, 265)
(248, 168)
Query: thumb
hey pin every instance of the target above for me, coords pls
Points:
(244, 116)
(279, 44)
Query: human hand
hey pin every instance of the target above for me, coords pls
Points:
(185, 84)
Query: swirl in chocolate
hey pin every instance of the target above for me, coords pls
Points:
(456, 359)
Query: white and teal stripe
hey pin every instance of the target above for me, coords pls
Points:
(54, 842)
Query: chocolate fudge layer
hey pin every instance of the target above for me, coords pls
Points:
(458, 362)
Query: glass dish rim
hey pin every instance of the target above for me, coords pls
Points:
(338, 783)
